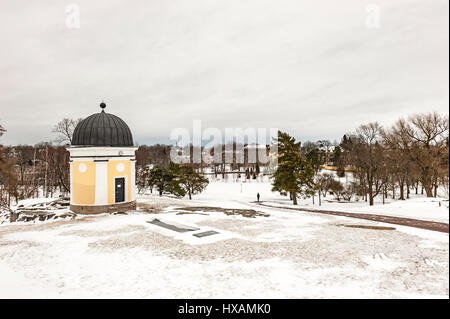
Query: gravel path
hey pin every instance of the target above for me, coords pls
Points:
(417, 223)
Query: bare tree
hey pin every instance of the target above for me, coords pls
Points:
(65, 129)
(423, 138)
(399, 168)
(325, 146)
(58, 162)
(9, 186)
(366, 155)
(323, 182)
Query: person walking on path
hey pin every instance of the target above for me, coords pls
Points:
(257, 197)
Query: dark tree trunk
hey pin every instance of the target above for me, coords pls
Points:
(428, 190)
(63, 184)
(370, 184)
(294, 198)
(402, 191)
(320, 200)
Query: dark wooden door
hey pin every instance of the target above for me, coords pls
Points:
(120, 189)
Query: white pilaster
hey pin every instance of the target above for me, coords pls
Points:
(71, 181)
(133, 180)
(101, 183)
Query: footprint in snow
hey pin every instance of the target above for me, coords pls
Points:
(431, 262)
(381, 261)
(380, 256)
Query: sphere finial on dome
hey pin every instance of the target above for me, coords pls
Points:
(103, 105)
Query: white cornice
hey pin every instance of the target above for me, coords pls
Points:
(102, 152)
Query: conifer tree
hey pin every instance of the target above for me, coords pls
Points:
(294, 175)
(314, 158)
(161, 178)
(174, 186)
(190, 181)
(338, 161)
(177, 180)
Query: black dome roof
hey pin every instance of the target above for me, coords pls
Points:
(102, 129)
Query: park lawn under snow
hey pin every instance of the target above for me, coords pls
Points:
(287, 254)
(417, 207)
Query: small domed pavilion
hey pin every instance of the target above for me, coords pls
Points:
(102, 165)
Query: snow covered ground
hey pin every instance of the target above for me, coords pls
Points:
(418, 206)
(287, 254)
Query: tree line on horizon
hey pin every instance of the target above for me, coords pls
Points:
(411, 155)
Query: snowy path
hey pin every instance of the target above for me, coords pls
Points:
(417, 223)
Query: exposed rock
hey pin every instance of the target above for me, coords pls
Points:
(249, 213)
(120, 213)
(54, 209)
(33, 215)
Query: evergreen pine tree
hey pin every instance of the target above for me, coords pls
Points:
(314, 158)
(294, 175)
(175, 171)
(177, 180)
(190, 181)
(161, 178)
(338, 161)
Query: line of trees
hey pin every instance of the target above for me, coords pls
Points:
(239, 160)
(410, 155)
(176, 179)
(25, 170)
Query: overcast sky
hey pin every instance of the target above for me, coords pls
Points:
(311, 68)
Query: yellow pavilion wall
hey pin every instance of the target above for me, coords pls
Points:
(83, 185)
(113, 172)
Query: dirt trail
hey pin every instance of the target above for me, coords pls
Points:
(417, 223)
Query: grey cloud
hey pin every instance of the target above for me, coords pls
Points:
(311, 68)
